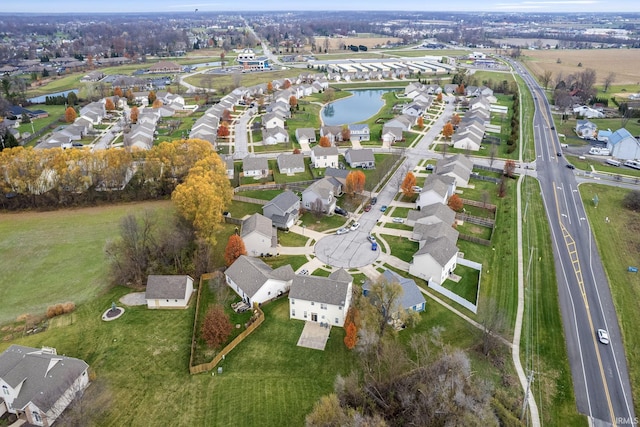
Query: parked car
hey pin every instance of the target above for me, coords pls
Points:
(383, 208)
(340, 211)
(374, 200)
(398, 220)
(603, 336)
(371, 238)
(417, 189)
(367, 208)
(374, 246)
(355, 226)
(342, 231)
(430, 167)
(305, 272)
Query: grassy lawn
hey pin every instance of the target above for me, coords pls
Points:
(395, 226)
(482, 189)
(218, 81)
(240, 209)
(55, 113)
(467, 287)
(296, 261)
(324, 223)
(542, 334)
(66, 247)
(291, 239)
(618, 242)
(284, 178)
(474, 230)
(401, 247)
(598, 164)
(260, 194)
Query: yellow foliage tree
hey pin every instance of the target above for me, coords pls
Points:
(204, 196)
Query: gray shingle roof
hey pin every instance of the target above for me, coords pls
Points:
(166, 287)
(363, 155)
(284, 201)
(306, 133)
(324, 151)
(44, 377)
(322, 188)
(411, 294)
(319, 289)
(251, 163)
(249, 273)
(441, 249)
(257, 223)
(437, 211)
(424, 232)
(290, 161)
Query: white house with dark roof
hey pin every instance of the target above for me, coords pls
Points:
(424, 232)
(359, 132)
(322, 191)
(38, 384)
(324, 157)
(283, 210)
(255, 282)
(306, 135)
(431, 214)
(436, 189)
(435, 260)
(334, 133)
(391, 135)
(229, 166)
(467, 139)
(257, 167)
(168, 291)
(411, 298)
(362, 158)
(272, 120)
(259, 236)
(586, 129)
(321, 299)
(403, 122)
(623, 145)
(290, 164)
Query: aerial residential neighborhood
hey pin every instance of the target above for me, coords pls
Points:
(293, 218)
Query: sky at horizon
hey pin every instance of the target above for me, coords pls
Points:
(120, 6)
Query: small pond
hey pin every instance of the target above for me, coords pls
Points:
(357, 108)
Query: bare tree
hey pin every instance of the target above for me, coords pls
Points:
(545, 78)
(493, 321)
(608, 81)
(88, 406)
(493, 150)
(317, 208)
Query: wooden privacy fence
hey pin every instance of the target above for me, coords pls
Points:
(203, 367)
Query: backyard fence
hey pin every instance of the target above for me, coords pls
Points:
(474, 239)
(485, 222)
(204, 367)
(473, 307)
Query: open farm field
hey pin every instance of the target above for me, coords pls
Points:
(336, 43)
(66, 247)
(625, 63)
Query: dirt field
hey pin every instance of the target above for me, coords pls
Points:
(370, 42)
(624, 62)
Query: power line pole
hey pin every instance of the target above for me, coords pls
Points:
(526, 395)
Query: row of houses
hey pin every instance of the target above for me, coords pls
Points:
(472, 127)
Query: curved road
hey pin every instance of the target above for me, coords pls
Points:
(599, 372)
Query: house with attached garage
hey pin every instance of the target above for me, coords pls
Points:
(435, 260)
(436, 189)
(458, 167)
(257, 167)
(431, 214)
(403, 122)
(276, 135)
(391, 135)
(411, 298)
(320, 196)
(168, 291)
(306, 135)
(291, 164)
(324, 157)
(38, 384)
(359, 132)
(623, 145)
(321, 299)
(259, 236)
(283, 210)
(333, 133)
(360, 158)
(424, 232)
(255, 282)
(272, 120)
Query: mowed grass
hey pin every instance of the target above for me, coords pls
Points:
(53, 257)
(542, 334)
(618, 245)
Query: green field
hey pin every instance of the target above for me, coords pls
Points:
(58, 256)
(618, 242)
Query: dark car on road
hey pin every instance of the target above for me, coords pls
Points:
(570, 166)
(374, 200)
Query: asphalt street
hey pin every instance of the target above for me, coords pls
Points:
(600, 374)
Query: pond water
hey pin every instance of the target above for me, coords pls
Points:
(357, 108)
(43, 98)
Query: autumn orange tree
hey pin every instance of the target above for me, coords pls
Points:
(223, 129)
(447, 130)
(408, 183)
(70, 115)
(109, 105)
(420, 122)
(151, 97)
(235, 248)
(355, 182)
(439, 97)
(509, 168)
(460, 89)
(351, 322)
(156, 104)
(203, 196)
(324, 141)
(226, 115)
(135, 112)
(270, 87)
(455, 119)
(118, 91)
(296, 151)
(216, 326)
(286, 84)
(129, 95)
(455, 203)
(293, 101)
